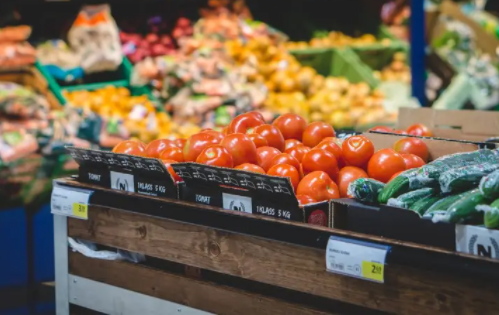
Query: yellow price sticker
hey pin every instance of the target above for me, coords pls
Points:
(373, 271)
(80, 210)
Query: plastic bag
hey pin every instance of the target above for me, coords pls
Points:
(15, 145)
(89, 249)
(95, 37)
(15, 33)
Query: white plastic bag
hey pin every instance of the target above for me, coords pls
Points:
(94, 36)
(89, 249)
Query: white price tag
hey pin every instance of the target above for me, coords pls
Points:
(237, 203)
(122, 181)
(356, 259)
(477, 241)
(71, 202)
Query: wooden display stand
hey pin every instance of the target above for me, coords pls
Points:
(204, 259)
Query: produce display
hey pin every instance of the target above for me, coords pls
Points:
(397, 70)
(458, 47)
(298, 89)
(458, 188)
(325, 39)
(157, 42)
(246, 64)
(125, 116)
(319, 165)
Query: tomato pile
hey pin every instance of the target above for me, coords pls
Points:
(319, 165)
(414, 130)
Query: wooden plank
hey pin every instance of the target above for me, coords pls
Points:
(193, 293)
(406, 290)
(338, 232)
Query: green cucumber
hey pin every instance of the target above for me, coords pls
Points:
(465, 178)
(365, 189)
(490, 214)
(398, 186)
(433, 170)
(440, 207)
(424, 204)
(408, 199)
(489, 185)
(464, 209)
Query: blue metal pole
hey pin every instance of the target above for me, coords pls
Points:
(418, 45)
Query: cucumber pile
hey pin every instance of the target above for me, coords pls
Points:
(458, 188)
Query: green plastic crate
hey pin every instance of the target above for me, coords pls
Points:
(124, 73)
(338, 62)
(318, 58)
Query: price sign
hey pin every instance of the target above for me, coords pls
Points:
(476, 240)
(356, 259)
(71, 202)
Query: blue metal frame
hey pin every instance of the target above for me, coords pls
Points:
(418, 47)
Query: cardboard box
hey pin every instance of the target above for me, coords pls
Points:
(436, 147)
(467, 125)
(390, 222)
(247, 192)
(124, 172)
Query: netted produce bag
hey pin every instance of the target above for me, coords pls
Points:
(95, 37)
(14, 50)
(19, 102)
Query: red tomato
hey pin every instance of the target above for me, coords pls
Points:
(305, 200)
(384, 164)
(319, 186)
(174, 175)
(395, 175)
(412, 146)
(264, 156)
(285, 158)
(298, 152)
(244, 123)
(320, 160)
(240, 146)
(218, 135)
(330, 146)
(338, 142)
(130, 147)
(291, 126)
(347, 175)
(272, 135)
(257, 115)
(197, 143)
(216, 155)
(180, 143)
(381, 129)
(154, 148)
(419, 130)
(258, 140)
(316, 132)
(412, 161)
(250, 168)
(291, 143)
(286, 170)
(175, 154)
(357, 150)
